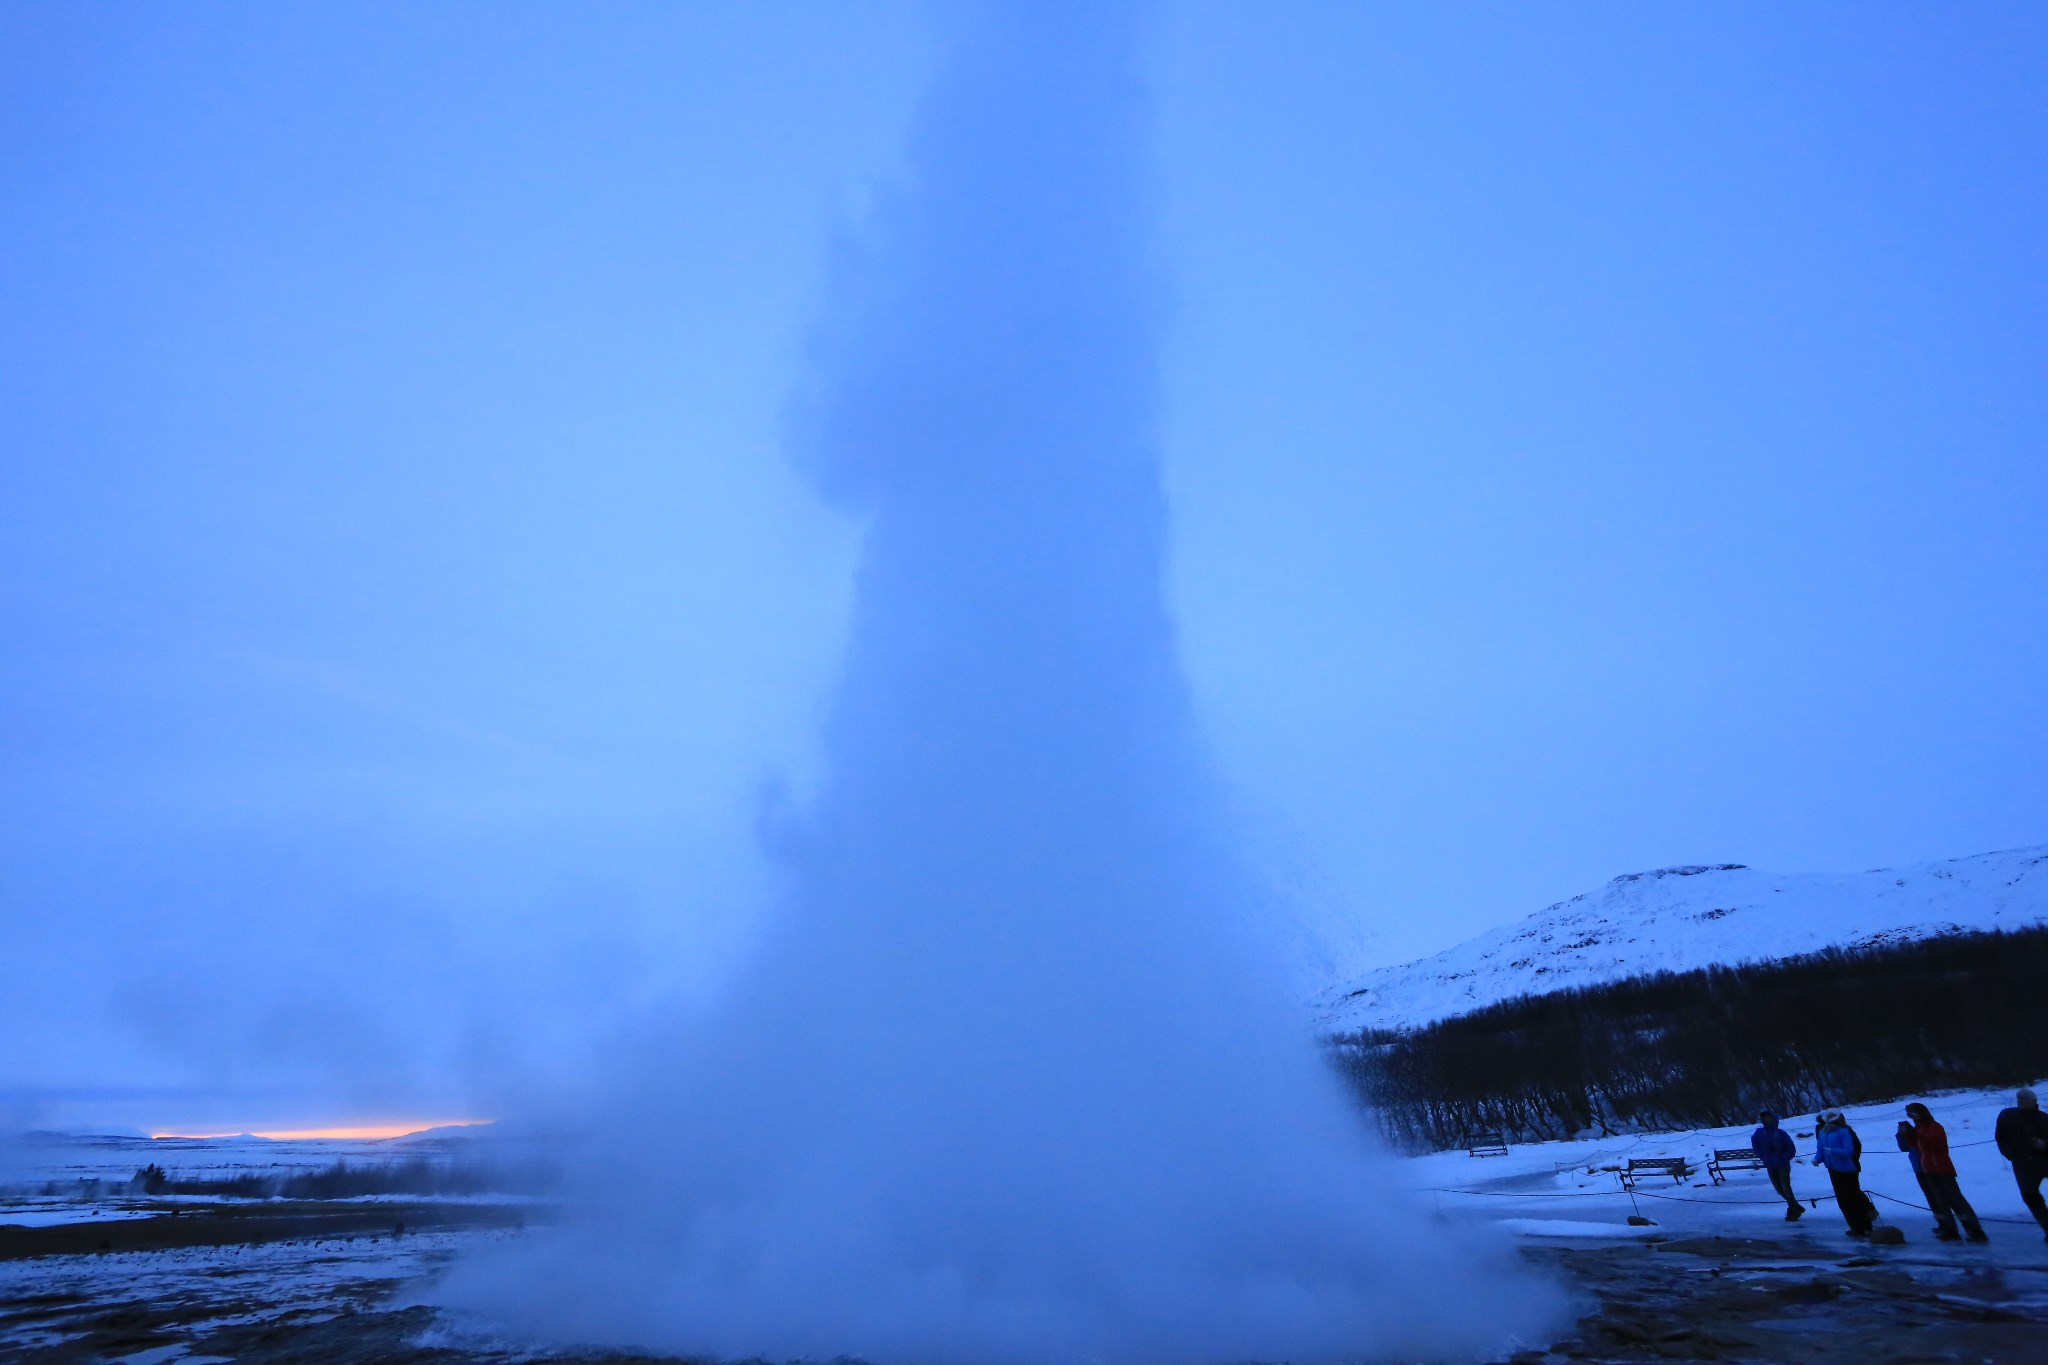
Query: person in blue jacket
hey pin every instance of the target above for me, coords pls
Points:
(1774, 1147)
(1836, 1146)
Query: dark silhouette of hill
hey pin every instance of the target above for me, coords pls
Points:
(1712, 1046)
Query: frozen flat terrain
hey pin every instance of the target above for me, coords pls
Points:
(1682, 918)
(1576, 1182)
(41, 1158)
(1719, 1275)
(194, 1304)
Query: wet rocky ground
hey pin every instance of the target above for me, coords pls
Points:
(1733, 1299)
(327, 1287)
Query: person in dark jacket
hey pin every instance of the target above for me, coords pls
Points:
(1937, 1172)
(1910, 1145)
(1775, 1149)
(2022, 1135)
(1836, 1146)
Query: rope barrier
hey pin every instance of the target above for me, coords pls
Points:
(1982, 1218)
(1510, 1194)
(1760, 1203)
(1812, 1201)
(1606, 1194)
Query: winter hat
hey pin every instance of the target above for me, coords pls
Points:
(1766, 1116)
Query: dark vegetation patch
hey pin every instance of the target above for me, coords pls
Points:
(1712, 1046)
(415, 1178)
(244, 1224)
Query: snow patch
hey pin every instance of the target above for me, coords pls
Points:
(1697, 915)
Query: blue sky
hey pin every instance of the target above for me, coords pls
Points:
(1599, 437)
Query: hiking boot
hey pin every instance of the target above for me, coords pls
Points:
(1941, 1236)
(1977, 1235)
(1794, 1214)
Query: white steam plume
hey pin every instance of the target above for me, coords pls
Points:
(1005, 1081)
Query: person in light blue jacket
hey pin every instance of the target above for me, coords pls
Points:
(1836, 1146)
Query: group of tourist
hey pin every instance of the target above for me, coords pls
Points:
(2021, 1135)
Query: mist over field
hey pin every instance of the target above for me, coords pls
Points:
(1012, 1075)
(1595, 442)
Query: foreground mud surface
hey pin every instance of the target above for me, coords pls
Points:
(1745, 1300)
(330, 1287)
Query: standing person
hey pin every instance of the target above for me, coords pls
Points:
(1937, 1171)
(1836, 1146)
(1910, 1145)
(1776, 1150)
(2022, 1135)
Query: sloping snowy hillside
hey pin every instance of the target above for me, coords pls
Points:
(1679, 918)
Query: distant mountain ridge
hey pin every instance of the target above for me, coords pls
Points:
(1697, 915)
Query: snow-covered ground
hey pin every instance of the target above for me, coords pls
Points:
(1564, 1187)
(1681, 918)
(55, 1179)
(280, 1265)
(66, 1158)
(1539, 1189)
(174, 1304)
(29, 1161)
(1571, 1189)
(292, 1283)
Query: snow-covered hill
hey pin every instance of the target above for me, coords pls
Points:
(1678, 918)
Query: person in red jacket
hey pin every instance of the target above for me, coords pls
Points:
(1938, 1170)
(1909, 1143)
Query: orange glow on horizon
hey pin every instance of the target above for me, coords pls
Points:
(359, 1130)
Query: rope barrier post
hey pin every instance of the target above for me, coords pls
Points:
(1630, 1190)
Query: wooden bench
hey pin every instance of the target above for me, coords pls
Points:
(1486, 1144)
(1674, 1166)
(1728, 1159)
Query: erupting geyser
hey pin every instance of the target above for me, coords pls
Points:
(1002, 1082)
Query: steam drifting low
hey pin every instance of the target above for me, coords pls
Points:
(1004, 1081)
